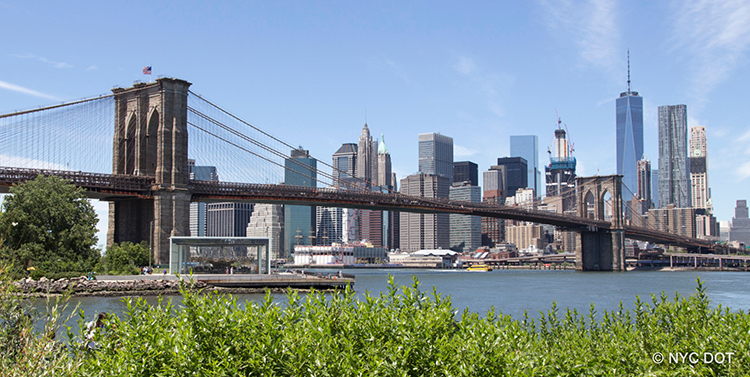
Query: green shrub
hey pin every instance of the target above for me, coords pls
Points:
(406, 332)
(25, 351)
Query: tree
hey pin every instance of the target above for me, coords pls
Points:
(48, 224)
(126, 257)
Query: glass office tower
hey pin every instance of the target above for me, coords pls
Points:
(527, 146)
(629, 139)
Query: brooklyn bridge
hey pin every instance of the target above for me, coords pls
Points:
(130, 148)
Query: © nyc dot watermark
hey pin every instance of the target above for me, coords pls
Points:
(693, 357)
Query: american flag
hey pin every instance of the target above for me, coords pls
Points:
(147, 70)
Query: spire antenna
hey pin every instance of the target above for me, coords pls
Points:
(628, 71)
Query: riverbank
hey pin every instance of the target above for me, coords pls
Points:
(154, 285)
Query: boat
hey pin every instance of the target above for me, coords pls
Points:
(479, 268)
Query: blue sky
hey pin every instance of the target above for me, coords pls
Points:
(311, 72)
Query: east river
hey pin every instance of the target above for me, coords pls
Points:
(515, 291)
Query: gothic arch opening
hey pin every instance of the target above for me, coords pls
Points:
(590, 203)
(149, 166)
(607, 210)
(130, 142)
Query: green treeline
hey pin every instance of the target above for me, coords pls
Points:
(406, 332)
(48, 228)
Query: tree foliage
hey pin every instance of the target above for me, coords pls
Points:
(48, 224)
(125, 258)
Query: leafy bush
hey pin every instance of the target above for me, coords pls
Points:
(406, 332)
(125, 258)
(23, 350)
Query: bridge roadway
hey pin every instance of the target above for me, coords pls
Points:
(116, 186)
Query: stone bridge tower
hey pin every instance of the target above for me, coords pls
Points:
(151, 140)
(601, 249)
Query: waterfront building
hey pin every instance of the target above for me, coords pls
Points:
(227, 219)
(465, 231)
(329, 225)
(300, 170)
(724, 227)
(267, 220)
(527, 146)
(739, 230)
(629, 120)
(436, 155)
(514, 171)
(526, 236)
(494, 193)
(680, 221)
(674, 173)
(466, 171)
(198, 209)
(338, 253)
(425, 230)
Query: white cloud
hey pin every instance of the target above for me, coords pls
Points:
(716, 34)
(460, 151)
(494, 86)
(398, 71)
(743, 171)
(28, 163)
(465, 66)
(31, 92)
(92, 68)
(43, 60)
(591, 25)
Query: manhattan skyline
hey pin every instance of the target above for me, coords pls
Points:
(477, 73)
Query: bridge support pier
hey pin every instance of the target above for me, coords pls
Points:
(601, 251)
(151, 139)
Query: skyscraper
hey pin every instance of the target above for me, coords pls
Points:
(198, 209)
(465, 231)
(370, 222)
(527, 146)
(629, 118)
(739, 229)
(367, 164)
(466, 171)
(227, 219)
(699, 169)
(345, 162)
(300, 170)
(421, 231)
(494, 193)
(515, 173)
(267, 220)
(644, 186)
(436, 155)
(561, 173)
(674, 174)
(386, 182)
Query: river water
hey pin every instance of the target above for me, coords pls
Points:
(516, 291)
